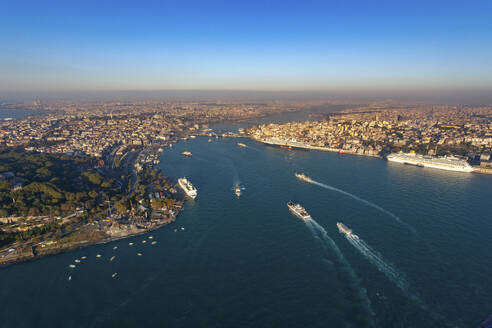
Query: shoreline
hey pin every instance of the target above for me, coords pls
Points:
(309, 147)
(477, 170)
(23, 257)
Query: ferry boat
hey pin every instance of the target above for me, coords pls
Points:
(345, 230)
(187, 187)
(240, 144)
(237, 190)
(298, 211)
(303, 177)
(187, 154)
(450, 163)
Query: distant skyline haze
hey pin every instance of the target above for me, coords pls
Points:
(60, 46)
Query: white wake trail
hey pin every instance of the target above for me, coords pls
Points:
(379, 208)
(376, 259)
(320, 233)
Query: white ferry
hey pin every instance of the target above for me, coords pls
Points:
(187, 187)
(346, 230)
(298, 211)
(450, 163)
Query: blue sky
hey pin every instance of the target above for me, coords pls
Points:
(253, 45)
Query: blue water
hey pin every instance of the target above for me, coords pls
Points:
(19, 113)
(248, 262)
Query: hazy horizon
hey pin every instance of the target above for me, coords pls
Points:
(449, 96)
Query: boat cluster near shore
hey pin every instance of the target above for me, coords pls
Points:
(79, 261)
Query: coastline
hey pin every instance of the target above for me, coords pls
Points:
(35, 254)
(309, 147)
(477, 170)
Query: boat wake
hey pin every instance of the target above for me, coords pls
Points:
(377, 260)
(379, 208)
(320, 233)
(390, 272)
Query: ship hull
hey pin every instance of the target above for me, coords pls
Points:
(419, 163)
(289, 145)
(298, 211)
(189, 193)
(305, 218)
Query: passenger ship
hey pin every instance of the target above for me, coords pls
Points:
(187, 187)
(450, 163)
(298, 211)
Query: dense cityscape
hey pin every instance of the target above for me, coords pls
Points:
(113, 150)
(116, 147)
(430, 130)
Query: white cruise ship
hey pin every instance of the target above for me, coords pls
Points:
(187, 187)
(449, 163)
(293, 143)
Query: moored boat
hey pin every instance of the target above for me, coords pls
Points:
(187, 187)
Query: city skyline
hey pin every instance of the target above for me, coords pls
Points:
(245, 46)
